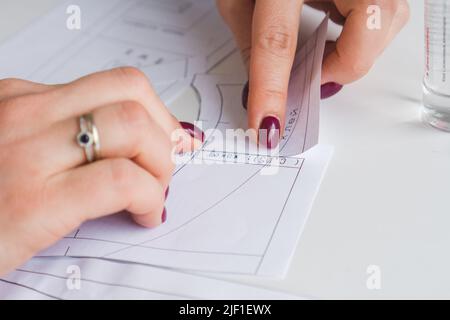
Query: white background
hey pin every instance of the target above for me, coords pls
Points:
(385, 199)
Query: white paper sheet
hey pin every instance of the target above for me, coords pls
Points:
(234, 217)
(222, 217)
(53, 278)
(169, 40)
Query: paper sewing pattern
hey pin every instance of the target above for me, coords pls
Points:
(169, 40)
(228, 218)
(225, 216)
(39, 279)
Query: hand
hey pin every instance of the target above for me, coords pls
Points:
(266, 31)
(48, 189)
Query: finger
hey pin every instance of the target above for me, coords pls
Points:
(238, 14)
(125, 131)
(359, 46)
(10, 88)
(20, 107)
(103, 188)
(274, 42)
(106, 88)
(400, 19)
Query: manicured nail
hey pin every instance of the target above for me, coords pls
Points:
(193, 131)
(269, 132)
(164, 216)
(166, 194)
(245, 96)
(329, 89)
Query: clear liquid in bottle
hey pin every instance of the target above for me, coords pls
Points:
(436, 84)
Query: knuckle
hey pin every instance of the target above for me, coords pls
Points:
(11, 200)
(277, 40)
(133, 115)
(7, 85)
(11, 110)
(135, 122)
(274, 94)
(132, 77)
(356, 66)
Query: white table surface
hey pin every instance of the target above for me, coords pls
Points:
(385, 199)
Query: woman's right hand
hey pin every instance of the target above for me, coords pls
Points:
(48, 189)
(266, 31)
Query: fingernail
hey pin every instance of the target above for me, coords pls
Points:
(245, 96)
(164, 216)
(167, 193)
(269, 132)
(193, 131)
(329, 89)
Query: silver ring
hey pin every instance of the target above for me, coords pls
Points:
(88, 138)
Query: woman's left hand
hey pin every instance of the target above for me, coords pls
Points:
(49, 182)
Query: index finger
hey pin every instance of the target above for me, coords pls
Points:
(274, 42)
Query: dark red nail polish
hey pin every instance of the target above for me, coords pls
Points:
(329, 89)
(245, 96)
(269, 132)
(166, 194)
(164, 216)
(193, 131)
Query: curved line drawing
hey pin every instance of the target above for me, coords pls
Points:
(31, 289)
(190, 220)
(163, 249)
(198, 118)
(102, 283)
(213, 205)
